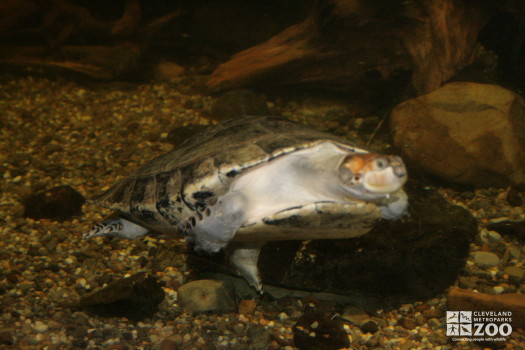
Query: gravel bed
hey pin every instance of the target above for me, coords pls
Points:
(56, 132)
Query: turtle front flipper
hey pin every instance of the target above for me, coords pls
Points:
(245, 256)
(216, 226)
(121, 228)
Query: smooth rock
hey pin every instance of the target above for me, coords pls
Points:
(407, 323)
(467, 300)
(171, 342)
(135, 297)
(259, 337)
(433, 313)
(485, 259)
(464, 132)
(369, 326)
(515, 273)
(59, 203)
(247, 307)
(318, 331)
(207, 296)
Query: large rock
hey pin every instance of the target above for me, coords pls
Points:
(398, 261)
(465, 132)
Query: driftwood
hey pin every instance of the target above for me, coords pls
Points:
(99, 62)
(68, 37)
(344, 43)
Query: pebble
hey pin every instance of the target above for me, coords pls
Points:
(259, 337)
(369, 326)
(433, 313)
(40, 327)
(485, 259)
(515, 272)
(407, 323)
(207, 296)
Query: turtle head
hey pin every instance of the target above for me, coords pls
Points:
(369, 176)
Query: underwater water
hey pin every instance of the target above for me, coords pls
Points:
(89, 92)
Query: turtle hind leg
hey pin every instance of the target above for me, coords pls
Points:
(119, 227)
(245, 256)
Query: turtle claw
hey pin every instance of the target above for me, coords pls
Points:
(116, 228)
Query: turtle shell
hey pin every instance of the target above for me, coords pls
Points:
(168, 192)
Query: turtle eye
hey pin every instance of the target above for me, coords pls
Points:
(380, 163)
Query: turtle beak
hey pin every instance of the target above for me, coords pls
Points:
(387, 180)
(398, 166)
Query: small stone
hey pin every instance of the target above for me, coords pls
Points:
(515, 273)
(433, 313)
(432, 302)
(207, 296)
(467, 282)
(485, 259)
(369, 326)
(498, 289)
(247, 307)
(407, 323)
(488, 236)
(40, 327)
(171, 342)
(405, 308)
(259, 337)
(409, 344)
(514, 251)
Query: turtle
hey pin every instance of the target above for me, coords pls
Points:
(244, 182)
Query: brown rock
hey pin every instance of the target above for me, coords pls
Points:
(207, 296)
(465, 132)
(467, 300)
(59, 203)
(247, 307)
(433, 313)
(171, 342)
(407, 323)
